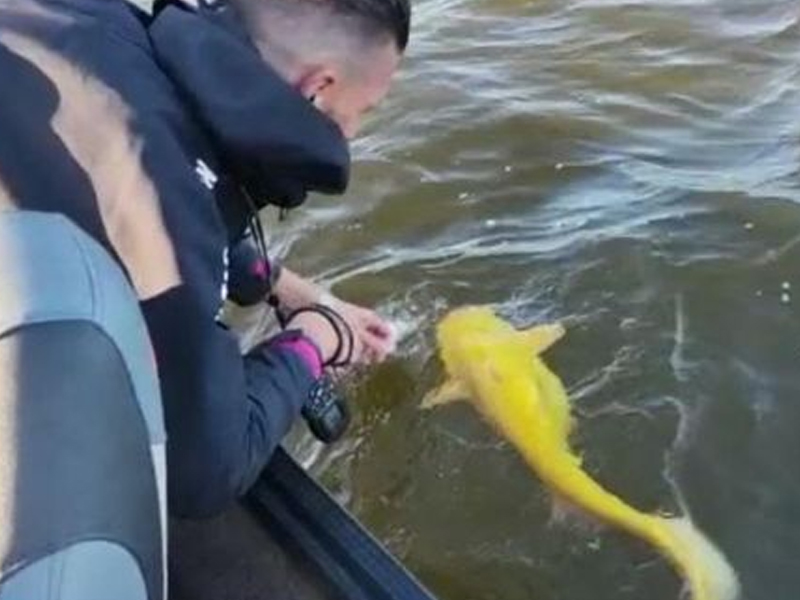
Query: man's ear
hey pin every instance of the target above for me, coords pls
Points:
(316, 84)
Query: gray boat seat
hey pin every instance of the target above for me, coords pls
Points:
(82, 444)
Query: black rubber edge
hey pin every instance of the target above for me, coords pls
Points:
(299, 510)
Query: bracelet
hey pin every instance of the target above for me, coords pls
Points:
(342, 326)
(344, 334)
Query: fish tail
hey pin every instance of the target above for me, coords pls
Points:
(702, 565)
(708, 573)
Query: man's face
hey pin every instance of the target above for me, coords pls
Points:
(352, 91)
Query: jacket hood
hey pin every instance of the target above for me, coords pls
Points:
(270, 138)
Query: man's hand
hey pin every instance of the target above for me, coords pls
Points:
(374, 337)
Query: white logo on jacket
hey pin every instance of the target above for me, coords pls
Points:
(207, 177)
(223, 292)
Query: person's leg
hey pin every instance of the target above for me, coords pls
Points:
(82, 486)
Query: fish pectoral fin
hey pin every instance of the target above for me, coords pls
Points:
(541, 337)
(452, 390)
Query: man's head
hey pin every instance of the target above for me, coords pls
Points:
(340, 54)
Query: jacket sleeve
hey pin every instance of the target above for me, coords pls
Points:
(225, 413)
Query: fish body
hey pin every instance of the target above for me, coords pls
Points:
(497, 369)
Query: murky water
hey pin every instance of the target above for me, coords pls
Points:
(632, 169)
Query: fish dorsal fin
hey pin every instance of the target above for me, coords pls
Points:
(452, 390)
(541, 337)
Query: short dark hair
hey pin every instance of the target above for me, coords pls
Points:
(373, 20)
(377, 17)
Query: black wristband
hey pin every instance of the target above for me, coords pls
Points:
(343, 331)
(344, 334)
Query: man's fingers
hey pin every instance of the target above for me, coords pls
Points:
(382, 331)
(379, 345)
(374, 337)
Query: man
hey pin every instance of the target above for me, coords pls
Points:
(160, 136)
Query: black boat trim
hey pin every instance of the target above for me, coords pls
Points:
(307, 518)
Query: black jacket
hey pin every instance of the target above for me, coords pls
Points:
(145, 134)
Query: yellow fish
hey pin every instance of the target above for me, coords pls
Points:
(498, 370)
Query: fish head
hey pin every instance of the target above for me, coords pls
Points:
(496, 368)
(474, 334)
(471, 336)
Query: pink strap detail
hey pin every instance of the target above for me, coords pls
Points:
(260, 269)
(307, 351)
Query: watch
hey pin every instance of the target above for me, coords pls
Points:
(325, 411)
